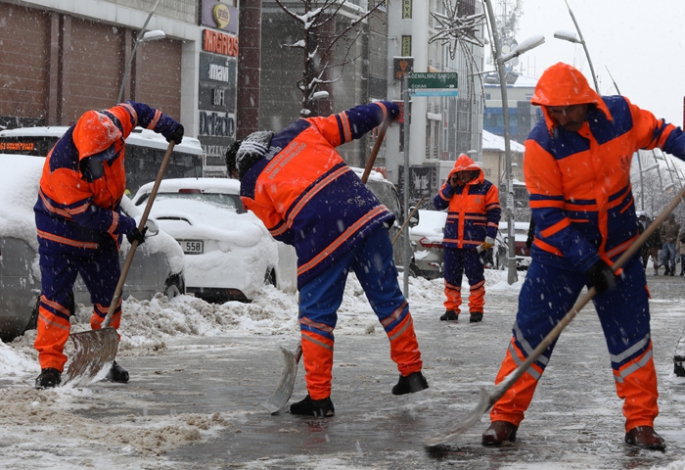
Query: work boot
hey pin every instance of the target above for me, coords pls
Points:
(672, 272)
(117, 374)
(323, 408)
(450, 315)
(476, 317)
(414, 382)
(667, 271)
(48, 378)
(646, 438)
(500, 432)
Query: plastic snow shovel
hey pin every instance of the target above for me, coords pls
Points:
(95, 350)
(285, 387)
(487, 401)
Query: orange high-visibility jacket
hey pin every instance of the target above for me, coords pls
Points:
(83, 177)
(579, 182)
(474, 209)
(307, 196)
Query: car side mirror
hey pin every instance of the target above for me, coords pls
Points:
(152, 228)
(414, 219)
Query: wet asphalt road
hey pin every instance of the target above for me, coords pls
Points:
(574, 422)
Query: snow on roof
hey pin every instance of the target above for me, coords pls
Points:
(496, 142)
(139, 136)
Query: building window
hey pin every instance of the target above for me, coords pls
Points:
(487, 96)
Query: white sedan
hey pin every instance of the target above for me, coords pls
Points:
(230, 255)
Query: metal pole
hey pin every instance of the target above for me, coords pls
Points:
(406, 184)
(582, 41)
(512, 274)
(133, 53)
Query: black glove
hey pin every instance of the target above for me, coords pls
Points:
(137, 236)
(176, 136)
(601, 277)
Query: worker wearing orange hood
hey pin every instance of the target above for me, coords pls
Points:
(80, 224)
(577, 170)
(473, 213)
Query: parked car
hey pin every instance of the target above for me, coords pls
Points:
(157, 267)
(429, 253)
(386, 192)
(523, 258)
(427, 237)
(229, 252)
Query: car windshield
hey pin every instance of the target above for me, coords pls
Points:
(231, 201)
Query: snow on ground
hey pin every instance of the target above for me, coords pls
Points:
(52, 428)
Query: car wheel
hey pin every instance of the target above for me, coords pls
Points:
(270, 278)
(414, 270)
(174, 286)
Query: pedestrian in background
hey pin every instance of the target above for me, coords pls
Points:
(473, 213)
(300, 187)
(669, 235)
(80, 225)
(577, 170)
(652, 246)
(680, 249)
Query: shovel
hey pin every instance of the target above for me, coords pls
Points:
(95, 350)
(487, 401)
(285, 387)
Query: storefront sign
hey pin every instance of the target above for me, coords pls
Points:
(219, 16)
(219, 43)
(217, 124)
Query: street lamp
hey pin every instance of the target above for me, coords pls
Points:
(568, 36)
(500, 60)
(148, 36)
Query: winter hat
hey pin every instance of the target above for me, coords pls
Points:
(242, 154)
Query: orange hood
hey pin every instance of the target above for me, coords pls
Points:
(94, 133)
(564, 85)
(465, 163)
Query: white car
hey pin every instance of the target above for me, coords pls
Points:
(157, 265)
(427, 237)
(229, 252)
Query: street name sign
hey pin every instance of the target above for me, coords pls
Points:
(433, 84)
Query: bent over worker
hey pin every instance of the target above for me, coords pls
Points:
(471, 226)
(306, 195)
(577, 171)
(80, 225)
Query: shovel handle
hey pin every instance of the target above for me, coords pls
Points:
(374, 152)
(143, 220)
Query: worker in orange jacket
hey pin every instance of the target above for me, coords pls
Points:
(471, 226)
(80, 225)
(306, 195)
(577, 171)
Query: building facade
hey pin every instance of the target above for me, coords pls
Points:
(441, 128)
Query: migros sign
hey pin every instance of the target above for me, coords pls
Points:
(219, 43)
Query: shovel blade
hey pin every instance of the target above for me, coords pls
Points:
(94, 352)
(483, 406)
(285, 387)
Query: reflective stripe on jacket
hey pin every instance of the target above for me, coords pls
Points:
(305, 193)
(474, 208)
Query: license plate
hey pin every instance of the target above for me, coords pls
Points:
(192, 247)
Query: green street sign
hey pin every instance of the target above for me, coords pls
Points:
(441, 80)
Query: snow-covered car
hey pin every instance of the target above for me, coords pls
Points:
(427, 237)
(386, 192)
(523, 258)
(229, 252)
(157, 266)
